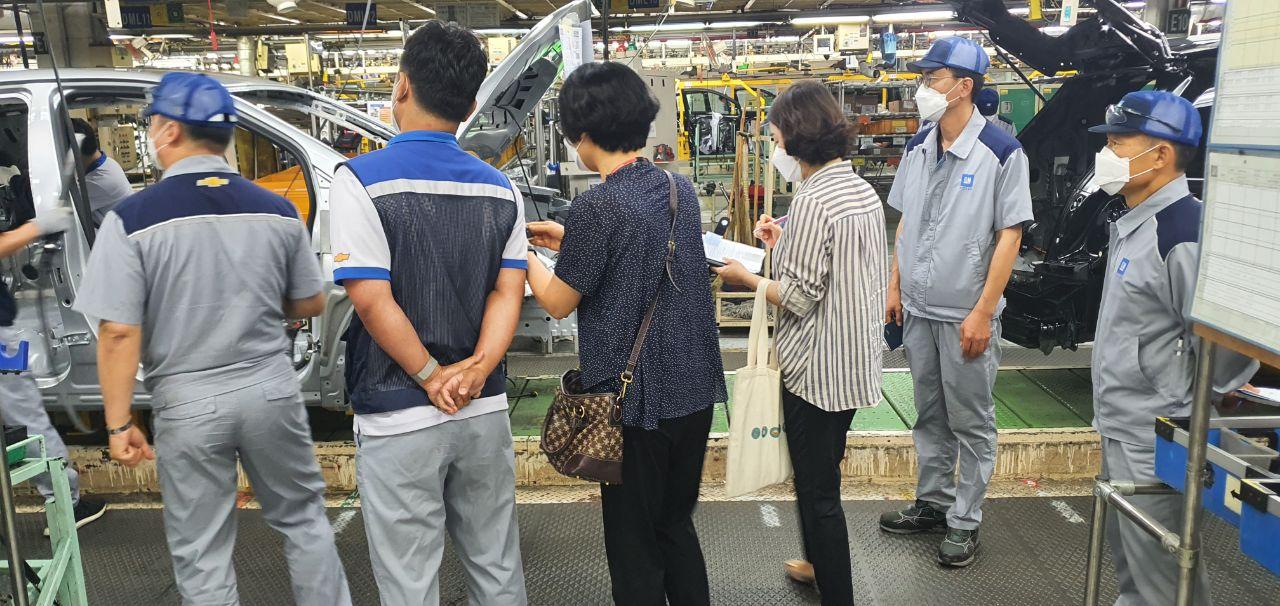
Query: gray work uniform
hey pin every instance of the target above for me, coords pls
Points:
(440, 225)
(952, 204)
(1004, 124)
(1144, 359)
(22, 404)
(107, 186)
(204, 261)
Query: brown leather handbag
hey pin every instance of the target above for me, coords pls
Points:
(582, 434)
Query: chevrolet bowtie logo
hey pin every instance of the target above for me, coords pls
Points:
(212, 182)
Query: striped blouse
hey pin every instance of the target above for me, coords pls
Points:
(831, 266)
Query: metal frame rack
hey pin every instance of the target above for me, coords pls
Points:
(61, 577)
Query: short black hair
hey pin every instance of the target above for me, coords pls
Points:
(1183, 156)
(89, 146)
(814, 129)
(445, 63)
(214, 138)
(975, 76)
(608, 102)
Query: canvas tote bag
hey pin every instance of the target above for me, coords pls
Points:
(757, 439)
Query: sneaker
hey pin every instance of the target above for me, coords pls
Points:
(86, 511)
(959, 549)
(920, 517)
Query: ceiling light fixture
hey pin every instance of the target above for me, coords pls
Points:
(734, 25)
(914, 17)
(276, 17)
(284, 6)
(832, 20)
(502, 31)
(666, 27)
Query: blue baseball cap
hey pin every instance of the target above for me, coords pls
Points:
(193, 99)
(1160, 114)
(954, 52)
(988, 101)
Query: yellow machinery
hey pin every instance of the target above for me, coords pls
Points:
(729, 86)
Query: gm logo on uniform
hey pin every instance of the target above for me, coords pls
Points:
(1122, 267)
(766, 432)
(966, 181)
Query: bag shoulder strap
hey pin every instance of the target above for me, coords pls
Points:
(673, 205)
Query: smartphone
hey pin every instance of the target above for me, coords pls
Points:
(893, 335)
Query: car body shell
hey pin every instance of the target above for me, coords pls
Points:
(63, 342)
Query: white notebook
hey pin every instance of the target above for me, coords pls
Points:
(719, 250)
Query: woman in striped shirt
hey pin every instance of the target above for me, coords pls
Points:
(830, 266)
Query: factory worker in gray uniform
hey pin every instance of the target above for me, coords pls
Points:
(963, 191)
(1144, 353)
(194, 278)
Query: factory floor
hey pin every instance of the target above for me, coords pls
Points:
(1025, 399)
(1033, 553)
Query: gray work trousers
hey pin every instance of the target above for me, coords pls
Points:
(21, 404)
(458, 477)
(956, 426)
(197, 444)
(1147, 575)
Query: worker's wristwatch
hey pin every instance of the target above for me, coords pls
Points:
(121, 429)
(427, 370)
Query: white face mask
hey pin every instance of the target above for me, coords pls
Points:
(153, 152)
(786, 164)
(395, 124)
(932, 104)
(577, 158)
(1111, 172)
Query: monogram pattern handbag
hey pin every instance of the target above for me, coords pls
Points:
(582, 434)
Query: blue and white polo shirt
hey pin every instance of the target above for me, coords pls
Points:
(439, 224)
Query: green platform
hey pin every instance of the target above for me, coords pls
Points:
(1024, 399)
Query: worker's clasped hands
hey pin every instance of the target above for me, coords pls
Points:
(451, 388)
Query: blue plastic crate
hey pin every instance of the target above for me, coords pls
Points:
(1260, 522)
(14, 362)
(1232, 456)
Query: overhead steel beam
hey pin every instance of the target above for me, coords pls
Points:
(767, 17)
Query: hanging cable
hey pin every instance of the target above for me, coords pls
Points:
(213, 36)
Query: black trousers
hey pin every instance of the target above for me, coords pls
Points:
(816, 441)
(649, 538)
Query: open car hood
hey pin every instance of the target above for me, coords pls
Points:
(1055, 291)
(1112, 38)
(509, 94)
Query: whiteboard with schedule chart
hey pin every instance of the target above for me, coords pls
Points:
(1238, 290)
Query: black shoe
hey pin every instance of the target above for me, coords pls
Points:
(86, 511)
(959, 549)
(920, 517)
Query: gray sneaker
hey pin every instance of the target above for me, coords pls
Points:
(921, 516)
(959, 549)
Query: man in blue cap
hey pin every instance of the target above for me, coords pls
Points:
(1144, 353)
(194, 277)
(963, 191)
(988, 102)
